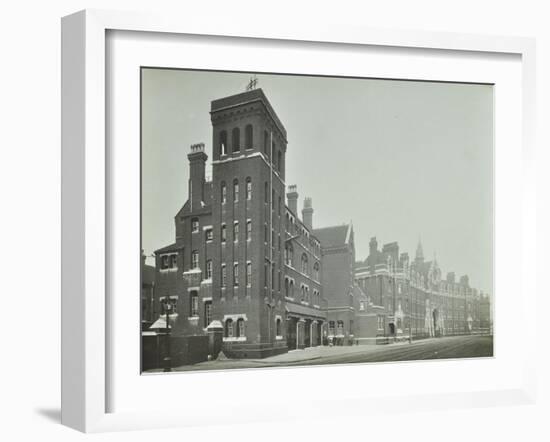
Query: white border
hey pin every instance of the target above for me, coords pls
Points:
(84, 235)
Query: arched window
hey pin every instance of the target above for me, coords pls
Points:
(303, 290)
(278, 328)
(305, 268)
(236, 139)
(223, 192)
(316, 271)
(266, 143)
(235, 190)
(287, 223)
(223, 142)
(249, 188)
(292, 289)
(229, 328)
(248, 132)
(287, 288)
(240, 328)
(289, 254)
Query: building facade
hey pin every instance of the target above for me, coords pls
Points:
(246, 265)
(412, 298)
(241, 257)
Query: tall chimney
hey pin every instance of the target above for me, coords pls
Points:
(197, 162)
(307, 213)
(292, 196)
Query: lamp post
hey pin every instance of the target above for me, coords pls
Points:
(168, 359)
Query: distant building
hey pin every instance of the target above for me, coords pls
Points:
(147, 294)
(412, 297)
(338, 258)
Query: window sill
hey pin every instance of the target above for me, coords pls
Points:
(235, 339)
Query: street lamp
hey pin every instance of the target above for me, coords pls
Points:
(168, 359)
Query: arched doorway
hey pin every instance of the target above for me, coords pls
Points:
(392, 328)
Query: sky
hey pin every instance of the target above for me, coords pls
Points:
(401, 160)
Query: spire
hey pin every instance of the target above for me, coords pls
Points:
(419, 252)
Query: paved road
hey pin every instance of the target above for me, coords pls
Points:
(435, 348)
(441, 348)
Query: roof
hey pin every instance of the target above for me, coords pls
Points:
(334, 236)
(245, 98)
(358, 292)
(171, 248)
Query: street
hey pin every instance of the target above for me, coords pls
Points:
(433, 348)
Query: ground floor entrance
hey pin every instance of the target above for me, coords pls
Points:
(303, 332)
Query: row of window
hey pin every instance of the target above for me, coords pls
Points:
(236, 140)
(236, 274)
(249, 144)
(169, 261)
(339, 328)
(236, 190)
(304, 262)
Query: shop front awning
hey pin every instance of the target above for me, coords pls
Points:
(305, 311)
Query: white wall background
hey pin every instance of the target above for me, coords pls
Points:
(30, 221)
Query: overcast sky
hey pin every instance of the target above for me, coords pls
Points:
(402, 160)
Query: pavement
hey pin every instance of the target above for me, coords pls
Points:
(433, 348)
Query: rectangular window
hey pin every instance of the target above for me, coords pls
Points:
(331, 327)
(223, 233)
(209, 269)
(208, 235)
(194, 225)
(236, 231)
(164, 262)
(174, 261)
(240, 325)
(194, 310)
(248, 230)
(249, 274)
(207, 313)
(340, 328)
(236, 274)
(224, 276)
(195, 259)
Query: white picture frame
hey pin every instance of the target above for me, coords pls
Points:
(85, 203)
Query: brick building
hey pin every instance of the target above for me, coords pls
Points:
(413, 298)
(245, 265)
(242, 258)
(338, 253)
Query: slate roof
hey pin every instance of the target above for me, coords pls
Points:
(171, 248)
(333, 236)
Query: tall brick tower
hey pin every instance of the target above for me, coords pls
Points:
(248, 188)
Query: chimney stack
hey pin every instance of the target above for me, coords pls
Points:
(197, 162)
(307, 213)
(292, 197)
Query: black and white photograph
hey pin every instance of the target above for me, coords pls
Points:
(301, 220)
